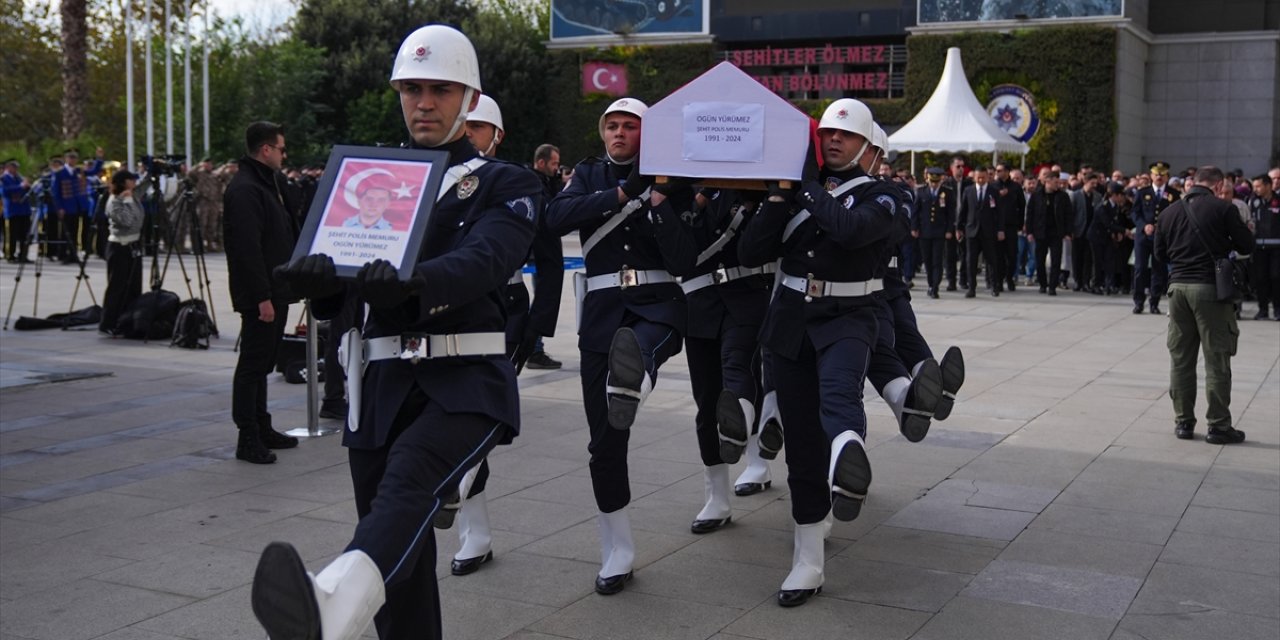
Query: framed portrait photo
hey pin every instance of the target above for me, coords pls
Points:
(372, 203)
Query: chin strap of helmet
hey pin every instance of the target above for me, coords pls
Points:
(858, 156)
(630, 160)
(461, 120)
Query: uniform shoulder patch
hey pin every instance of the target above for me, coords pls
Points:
(848, 202)
(888, 202)
(523, 207)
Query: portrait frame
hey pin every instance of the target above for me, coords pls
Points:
(336, 222)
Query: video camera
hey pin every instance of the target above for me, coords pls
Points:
(166, 165)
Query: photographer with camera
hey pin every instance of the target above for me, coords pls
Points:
(124, 256)
(17, 213)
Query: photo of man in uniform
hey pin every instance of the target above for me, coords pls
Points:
(374, 198)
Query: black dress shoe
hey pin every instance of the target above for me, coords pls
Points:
(1011, 285)
(276, 440)
(1137, 308)
(951, 287)
(468, 565)
(796, 597)
(995, 293)
(1044, 289)
(334, 411)
(1262, 315)
(1185, 430)
(250, 448)
(933, 293)
(612, 584)
(970, 294)
(283, 596)
(1155, 309)
(541, 360)
(707, 526)
(1053, 292)
(1224, 435)
(751, 488)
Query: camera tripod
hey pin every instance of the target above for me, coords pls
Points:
(38, 238)
(184, 214)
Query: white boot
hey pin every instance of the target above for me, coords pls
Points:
(849, 474)
(717, 512)
(448, 511)
(755, 477)
(807, 560)
(475, 536)
(337, 604)
(771, 436)
(617, 551)
(828, 523)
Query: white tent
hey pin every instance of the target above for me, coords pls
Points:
(953, 121)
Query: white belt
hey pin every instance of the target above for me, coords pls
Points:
(518, 278)
(423, 346)
(814, 288)
(721, 276)
(628, 278)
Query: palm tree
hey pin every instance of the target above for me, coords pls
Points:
(75, 84)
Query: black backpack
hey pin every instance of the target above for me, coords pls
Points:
(192, 328)
(150, 316)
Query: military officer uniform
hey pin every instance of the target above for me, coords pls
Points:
(934, 219)
(1150, 274)
(1103, 231)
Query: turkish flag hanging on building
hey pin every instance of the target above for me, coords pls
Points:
(603, 77)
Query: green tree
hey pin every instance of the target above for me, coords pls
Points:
(508, 36)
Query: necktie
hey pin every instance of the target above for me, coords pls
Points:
(981, 192)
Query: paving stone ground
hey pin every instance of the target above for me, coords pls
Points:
(1055, 502)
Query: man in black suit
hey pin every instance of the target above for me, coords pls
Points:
(1048, 222)
(1013, 206)
(955, 249)
(981, 225)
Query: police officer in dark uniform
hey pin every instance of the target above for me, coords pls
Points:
(438, 393)
(727, 302)
(934, 224)
(1264, 209)
(633, 312)
(1149, 273)
(821, 327)
(955, 254)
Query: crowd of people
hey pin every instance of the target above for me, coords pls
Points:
(1085, 231)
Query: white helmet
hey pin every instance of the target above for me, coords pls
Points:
(437, 52)
(847, 114)
(880, 139)
(441, 53)
(623, 105)
(486, 111)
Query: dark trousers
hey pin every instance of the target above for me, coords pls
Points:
(907, 340)
(1051, 246)
(934, 252)
(124, 283)
(71, 234)
(1007, 249)
(908, 252)
(55, 243)
(1149, 274)
(16, 237)
(885, 364)
(983, 242)
(1104, 262)
(820, 395)
(1124, 271)
(1266, 276)
(258, 344)
(398, 489)
(1081, 261)
(608, 447)
(953, 256)
(728, 362)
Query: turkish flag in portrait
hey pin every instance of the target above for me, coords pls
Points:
(386, 189)
(604, 77)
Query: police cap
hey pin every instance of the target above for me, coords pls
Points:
(1161, 168)
(1115, 188)
(935, 171)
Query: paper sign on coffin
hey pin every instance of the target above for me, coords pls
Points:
(724, 124)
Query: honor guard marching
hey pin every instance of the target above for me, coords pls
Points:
(632, 311)
(727, 302)
(438, 392)
(821, 326)
(902, 368)
(1149, 273)
(934, 224)
(17, 213)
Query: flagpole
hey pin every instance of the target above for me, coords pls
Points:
(168, 82)
(151, 116)
(128, 83)
(186, 83)
(205, 78)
